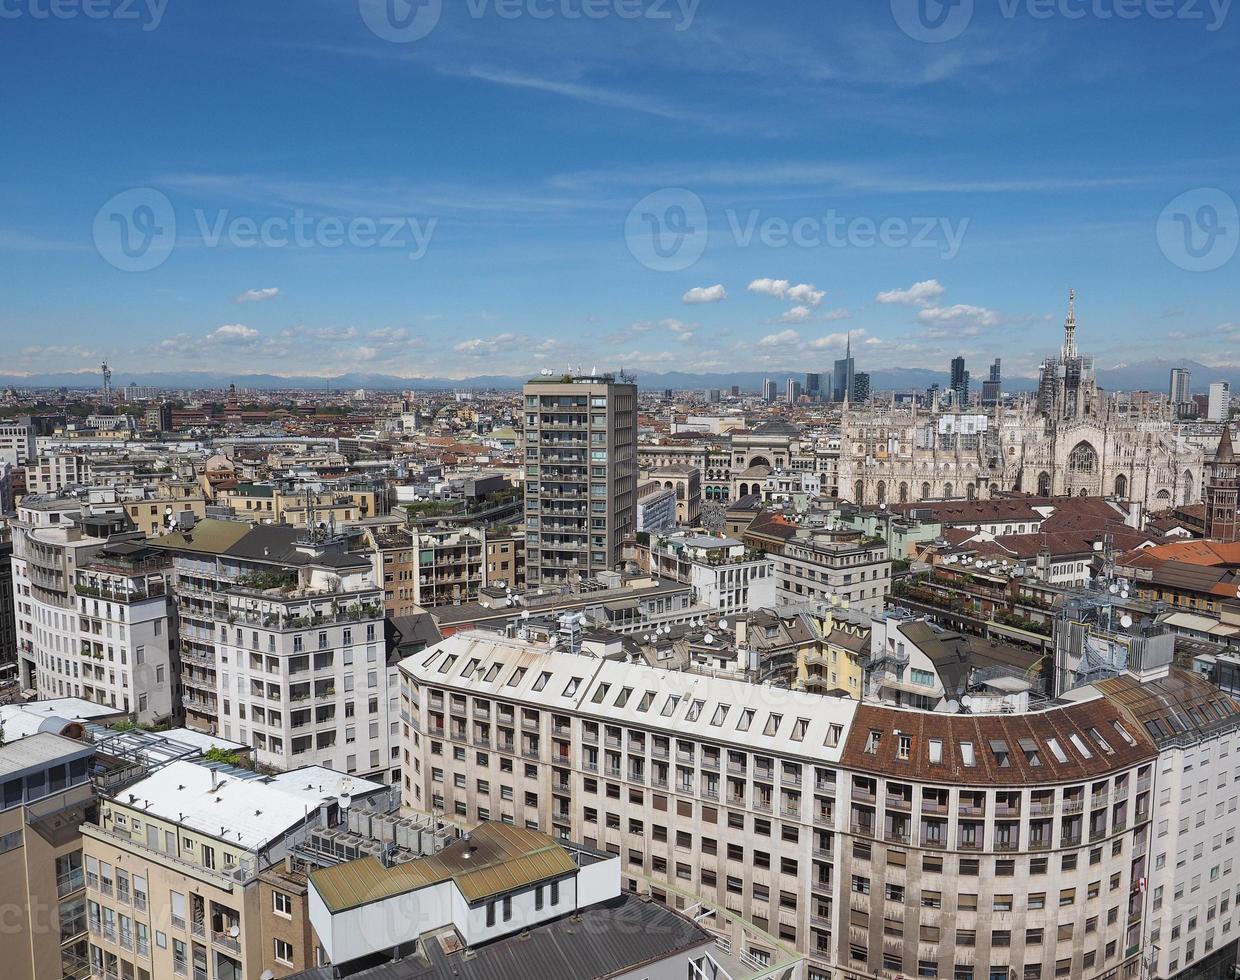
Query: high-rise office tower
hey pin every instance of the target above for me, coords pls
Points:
(813, 385)
(736, 391)
(794, 391)
(1180, 391)
(842, 377)
(861, 388)
(580, 476)
(960, 381)
(992, 387)
(770, 390)
(1219, 407)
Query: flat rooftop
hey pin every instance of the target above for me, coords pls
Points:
(607, 940)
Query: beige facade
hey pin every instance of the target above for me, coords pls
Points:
(45, 792)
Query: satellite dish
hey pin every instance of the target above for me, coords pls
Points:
(234, 931)
(723, 624)
(1126, 621)
(1114, 589)
(1124, 594)
(709, 638)
(953, 706)
(1097, 546)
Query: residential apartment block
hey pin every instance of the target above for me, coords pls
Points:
(580, 438)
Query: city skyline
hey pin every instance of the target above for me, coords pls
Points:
(514, 163)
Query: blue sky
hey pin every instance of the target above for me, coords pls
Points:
(676, 185)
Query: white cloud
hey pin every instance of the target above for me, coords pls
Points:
(806, 294)
(784, 338)
(918, 294)
(839, 340)
(705, 294)
(486, 345)
(803, 294)
(798, 314)
(233, 333)
(680, 329)
(777, 288)
(961, 315)
(257, 295)
(320, 333)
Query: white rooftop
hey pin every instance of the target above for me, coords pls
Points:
(21, 720)
(236, 805)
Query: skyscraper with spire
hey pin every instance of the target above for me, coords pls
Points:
(842, 377)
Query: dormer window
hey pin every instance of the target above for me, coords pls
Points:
(1032, 754)
(873, 741)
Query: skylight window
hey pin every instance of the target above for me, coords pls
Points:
(571, 688)
(669, 706)
(1079, 744)
(1101, 742)
(773, 722)
(1033, 754)
(746, 720)
(1000, 750)
(470, 667)
(447, 664)
(493, 672)
(721, 714)
(799, 729)
(936, 750)
(517, 677)
(834, 734)
(600, 692)
(646, 701)
(1057, 750)
(966, 754)
(623, 697)
(695, 710)
(1124, 734)
(542, 680)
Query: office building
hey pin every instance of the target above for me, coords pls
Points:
(1180, 391)
(992, 387)
(875, 840)
(1219, 409)
(17, 441)
(793, 391)
(960, 382)
(813, 386)
(842, 375)
(580, 476)
(861, 388)
(770, 390)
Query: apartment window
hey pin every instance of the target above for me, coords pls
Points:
(282, 904)
(284, 952)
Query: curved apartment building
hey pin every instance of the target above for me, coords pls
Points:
(875, 840)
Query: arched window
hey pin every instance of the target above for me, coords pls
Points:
(1044, 484)
(1083, 459)
(882, 491)
(904, 493)
(1189, 487)
(971, 491)
(1163, 497)
(1121, 487)
(859, 492)
(947, 491)
(925, 491)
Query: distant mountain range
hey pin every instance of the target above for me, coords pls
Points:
(1151, 375)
